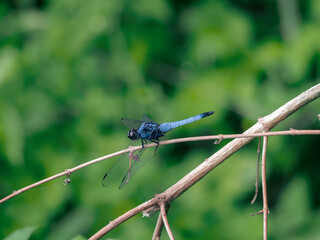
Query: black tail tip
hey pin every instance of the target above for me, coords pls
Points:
(105, 176)
(206, 114)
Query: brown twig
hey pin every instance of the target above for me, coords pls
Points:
(261, 128)
(67, 172)
(165, 220)
(159, 225)
(113, 224)
(257, 176)
(179, 140)
(260, 212)
(158, 228)
(264, 189)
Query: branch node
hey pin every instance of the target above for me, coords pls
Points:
(67, 180)
(293, 131)
(267, 210)
(159, 199)
(220, 139)
(260, 120)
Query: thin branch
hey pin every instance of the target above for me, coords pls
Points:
(158, 228)
(259, 129)
(260, 212)
(113, 224)
(159, 225)
(68, 172)
(264, 189)
(257, 176)
(165, 220)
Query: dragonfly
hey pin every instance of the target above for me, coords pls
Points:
(146, 131)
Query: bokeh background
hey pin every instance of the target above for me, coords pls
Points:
(69, 70)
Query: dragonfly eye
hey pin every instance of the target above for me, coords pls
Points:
(133, 134)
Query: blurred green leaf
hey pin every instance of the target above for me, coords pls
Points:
(72, 224)
(294, 209)
(70, 70)
(21, 234)
(78, 238)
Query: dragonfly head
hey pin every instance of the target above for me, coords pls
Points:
(133, 134)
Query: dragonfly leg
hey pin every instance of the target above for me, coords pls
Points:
(143, 141)
(157, 142)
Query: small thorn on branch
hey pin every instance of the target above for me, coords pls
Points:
(260, 212)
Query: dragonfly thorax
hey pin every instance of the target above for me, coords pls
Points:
(133, 134)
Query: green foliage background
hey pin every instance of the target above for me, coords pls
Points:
(69, 70)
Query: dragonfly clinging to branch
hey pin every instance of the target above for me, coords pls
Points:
(147, 131)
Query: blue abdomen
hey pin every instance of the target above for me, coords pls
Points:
(165, 127)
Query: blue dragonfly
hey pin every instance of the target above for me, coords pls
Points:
(147, 131)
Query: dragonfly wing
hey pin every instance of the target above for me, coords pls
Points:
(116, 172)
(138, 160)
(145, 118)
(131, 123)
